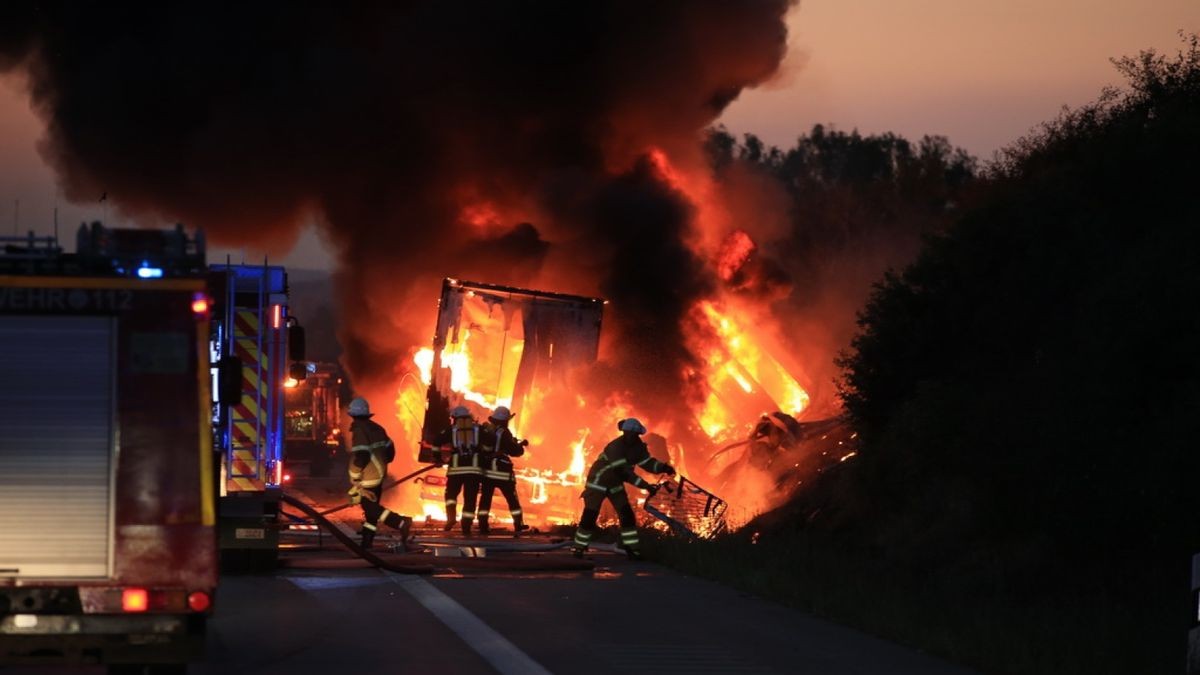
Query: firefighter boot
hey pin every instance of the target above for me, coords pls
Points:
(466, 526)
(518, 525)
(451, 517)
(483, 526)
(405, 529)
(368, 537)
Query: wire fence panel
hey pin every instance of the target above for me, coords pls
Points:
(688, 509)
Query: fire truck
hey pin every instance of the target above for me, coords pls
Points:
(312, 416)
(108, 549)
(253, 341)
(142, 419)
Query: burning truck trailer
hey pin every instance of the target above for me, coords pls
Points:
(503, 346)
(527, 350)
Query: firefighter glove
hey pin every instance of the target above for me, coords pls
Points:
(669, 470)
(651, 490)
(354, 493)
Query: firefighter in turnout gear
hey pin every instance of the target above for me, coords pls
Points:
(370, 452)
(606, 480)
(465, 471)
(497, 448)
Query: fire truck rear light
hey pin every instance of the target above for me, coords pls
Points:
(199, 304)
(199, 601)
(135, 600)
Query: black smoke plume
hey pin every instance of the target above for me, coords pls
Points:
(497, 141)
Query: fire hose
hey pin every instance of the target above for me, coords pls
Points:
(352, 545)
(389, 484)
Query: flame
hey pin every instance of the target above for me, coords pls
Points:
(735, 251)
(739, 359)
(748, 361)
(433, 510)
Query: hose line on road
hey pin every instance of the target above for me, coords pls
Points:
(352, 545)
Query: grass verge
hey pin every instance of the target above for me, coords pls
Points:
(1061, 631)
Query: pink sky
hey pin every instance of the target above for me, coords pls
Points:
(982, 72)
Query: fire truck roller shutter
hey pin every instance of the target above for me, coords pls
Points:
(56, 445)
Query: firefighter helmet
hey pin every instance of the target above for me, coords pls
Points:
(460, 411)
(359, 408)
(501, 414)
(632, 425)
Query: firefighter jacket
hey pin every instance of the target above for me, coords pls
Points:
(463, 442)
(497, 448)
(614, 467)
(370, 452)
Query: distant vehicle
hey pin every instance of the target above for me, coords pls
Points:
(312, 418)
(108, 549)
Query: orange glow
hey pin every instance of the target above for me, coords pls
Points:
(291, 383)
(135, 600)
(480, 215)
(735, 251)
(199, 304)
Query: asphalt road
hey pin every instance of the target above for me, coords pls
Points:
(327, 615)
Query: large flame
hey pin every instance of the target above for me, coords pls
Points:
(740, 364)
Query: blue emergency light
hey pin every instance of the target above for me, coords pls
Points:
(148, 272)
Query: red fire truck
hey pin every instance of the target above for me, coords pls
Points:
(108, 548)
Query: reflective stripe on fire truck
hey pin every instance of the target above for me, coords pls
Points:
(208, 511)
(249, 414)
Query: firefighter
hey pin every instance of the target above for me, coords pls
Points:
(370, 452)
(498, 447)
(606, 480)
(465, 471)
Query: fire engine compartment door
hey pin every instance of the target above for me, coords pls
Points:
(56, 445)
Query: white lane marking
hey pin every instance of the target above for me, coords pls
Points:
(333, 583)
(503, 655)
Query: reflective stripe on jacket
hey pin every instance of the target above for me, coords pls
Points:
(370, 452)
(614, 467)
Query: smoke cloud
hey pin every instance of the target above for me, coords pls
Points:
(506, 142)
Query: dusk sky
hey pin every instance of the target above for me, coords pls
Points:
(979, 72)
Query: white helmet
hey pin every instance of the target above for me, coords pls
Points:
(501, 414)
(359, 408)
(460, 411)
(631, 424)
